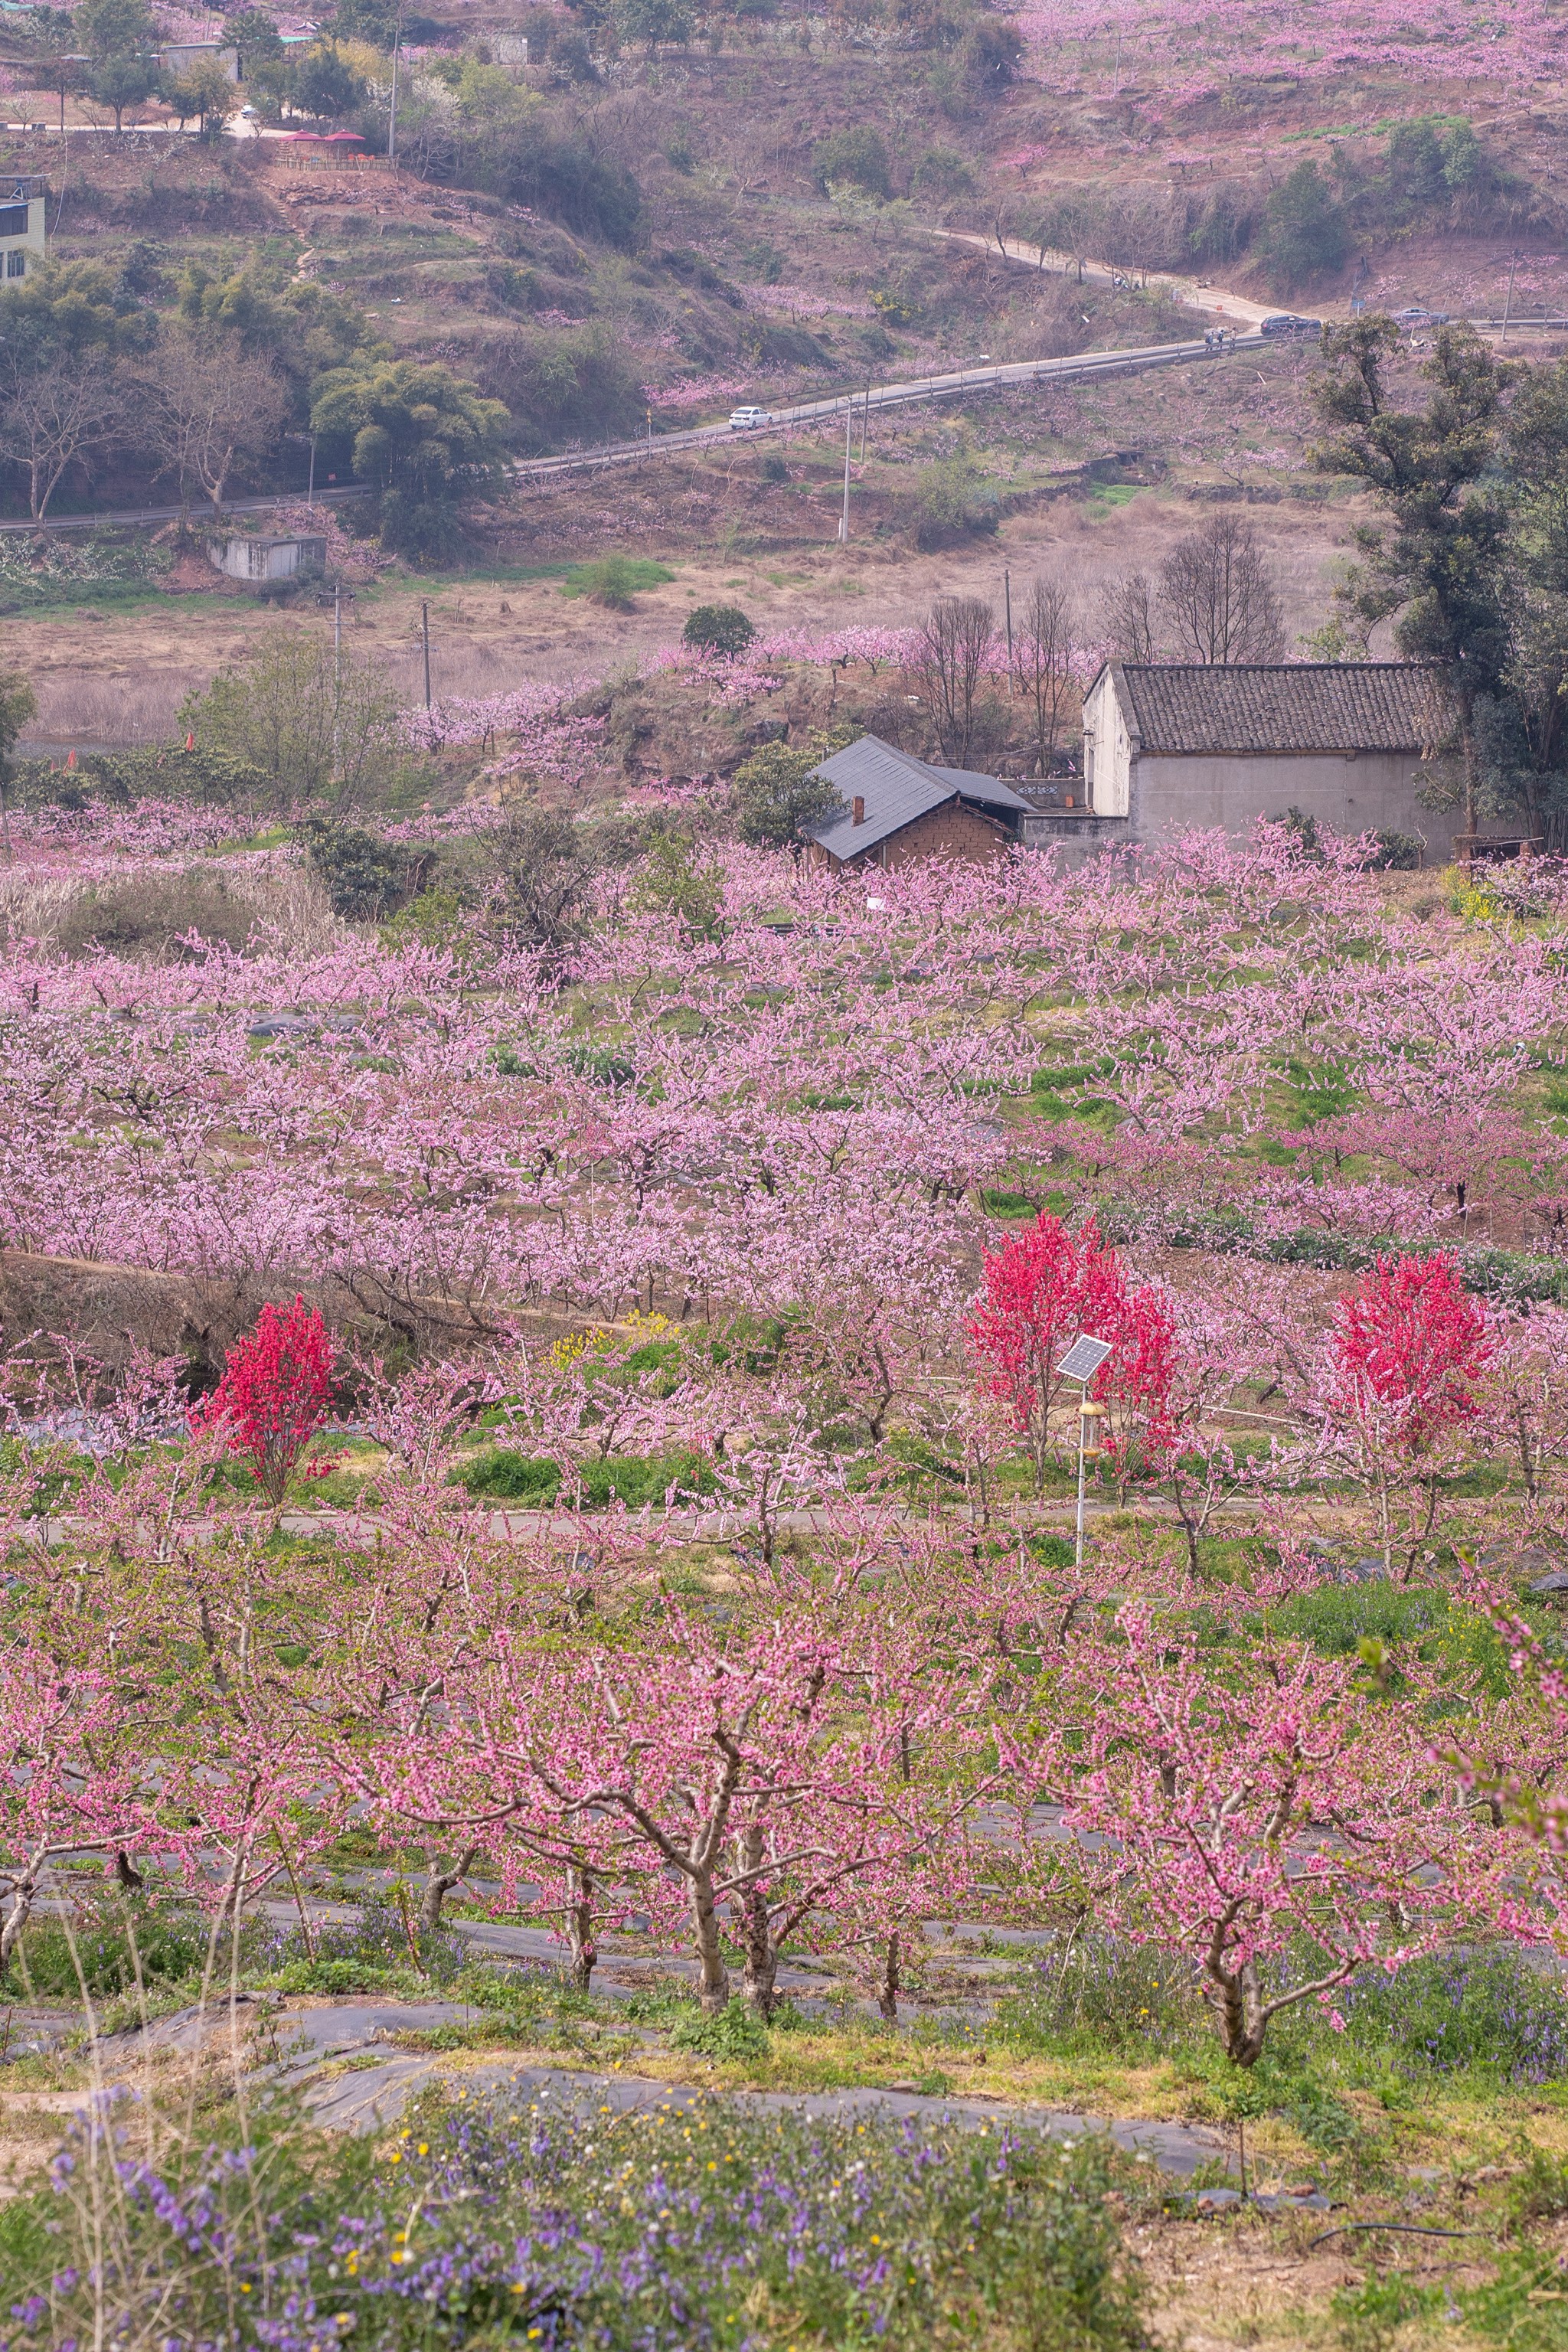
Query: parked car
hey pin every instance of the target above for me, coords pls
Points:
(1285, 322)
(741, 418)
(1415, 316)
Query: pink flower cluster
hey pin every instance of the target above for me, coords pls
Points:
(546, 736)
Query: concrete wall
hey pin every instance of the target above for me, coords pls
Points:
(1369, 792)
(1107, 750)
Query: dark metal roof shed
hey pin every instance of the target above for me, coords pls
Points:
(895, 788)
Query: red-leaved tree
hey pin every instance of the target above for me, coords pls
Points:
(275, 1393)
(1044, 1286)
(1408, 1347)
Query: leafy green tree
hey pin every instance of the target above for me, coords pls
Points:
(1444, 567)
(62, 330)
(653, 21)
(120, 81)
(66, 311)
(1305, 232)
(780, 800)
(318, 725)
(372, 21)
(17, 708)
(718, 629)
(675, 879)
(858, 156)
(255, 36)
(325, 85)
(1521, 730)
(203, 94)
(420, 434)
(115, 28)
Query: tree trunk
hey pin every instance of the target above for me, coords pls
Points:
(1238, 2009)
(712, 1976)
(760, 1978)
(17, 1918)
(580, 1927)
(437, 1886)
(888, 1990)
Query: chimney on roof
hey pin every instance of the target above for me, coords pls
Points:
(858, 811)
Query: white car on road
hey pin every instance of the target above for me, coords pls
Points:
(741, 418)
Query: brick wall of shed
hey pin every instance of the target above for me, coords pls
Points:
(951, 831)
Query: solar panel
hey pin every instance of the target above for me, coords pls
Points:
(1084, 1357)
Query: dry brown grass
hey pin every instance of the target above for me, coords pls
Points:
(146, 913)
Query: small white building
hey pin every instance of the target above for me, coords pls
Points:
(1172, 748)
(24, 206)
(243, 557)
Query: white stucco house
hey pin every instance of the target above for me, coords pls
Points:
(1172, 746)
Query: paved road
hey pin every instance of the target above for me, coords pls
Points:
(172, 514)
(953, 384)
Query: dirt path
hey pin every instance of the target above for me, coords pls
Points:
(1191, 294)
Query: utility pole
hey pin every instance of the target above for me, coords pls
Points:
(1508, 306)
(392, 118)
(865, 424)
(310, 490)
(849, 436)
(425, 626)
(1007, 599)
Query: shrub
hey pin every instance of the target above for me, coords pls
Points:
(718, 629)
(424, 530)
(991, 53)
(364, 879)
(1107, 1990)
(613, 581)
(952, 501)
(565, 178)
(633, 1479)
(943, 172)
(857, 158)
(736, 2032)
(1397, 853)
(149, 914)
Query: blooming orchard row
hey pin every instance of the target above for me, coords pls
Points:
(808, 1106)
(891, 1724)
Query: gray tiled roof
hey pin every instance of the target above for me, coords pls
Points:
(896, 788)
(1283, 707)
